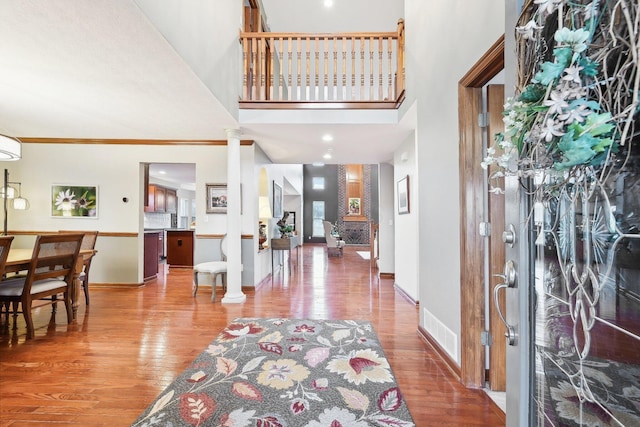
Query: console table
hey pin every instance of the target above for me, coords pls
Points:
(284, 245)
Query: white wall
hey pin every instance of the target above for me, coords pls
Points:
(116, 171)
(205, 34)
(406, 257)
(386, 215)
(444, 38)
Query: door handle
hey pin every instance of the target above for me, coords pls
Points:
(509, 278)
(511, 332)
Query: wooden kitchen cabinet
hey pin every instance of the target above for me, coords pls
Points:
(171, 200)
(160, 196)
(161, 199)
(180, 248)
(150, 206)
(150, 268)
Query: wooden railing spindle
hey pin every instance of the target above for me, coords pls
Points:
(390, 76)
(254, 68)
(289, 83)
(270, 66)
(380, 54)
(353, 68)
(344, 68)
(281, 73)
(371, 68)
(335, 68)
(317, 76)
(299, 70)
(325, 89)
(263, 68)
(247, 68)
(362, 68)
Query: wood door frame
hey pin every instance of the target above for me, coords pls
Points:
(472, 295)
(497, 251)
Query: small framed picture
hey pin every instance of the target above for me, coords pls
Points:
(216, 198)
(74, 201)
(354, 206)
(403, 195)
(277, 201)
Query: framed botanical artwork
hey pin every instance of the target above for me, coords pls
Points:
(403, 195)
(277, 201)
(354, 206)
(216, 198)
(74, 201)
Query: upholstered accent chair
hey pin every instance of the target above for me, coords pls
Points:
(334, 242)
(213, 269)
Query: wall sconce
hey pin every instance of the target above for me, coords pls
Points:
(9, 193)
(264, 209)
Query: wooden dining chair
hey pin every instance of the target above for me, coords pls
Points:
(88, 243)
(50, 274)
(5, 245)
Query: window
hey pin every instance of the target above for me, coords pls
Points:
(317, 183)
(318, 218)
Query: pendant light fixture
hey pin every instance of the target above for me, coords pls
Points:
(10, 148)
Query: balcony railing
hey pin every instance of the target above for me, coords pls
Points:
(342, 70)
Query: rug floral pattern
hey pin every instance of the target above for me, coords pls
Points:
(285, 373)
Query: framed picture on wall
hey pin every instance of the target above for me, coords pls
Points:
(74, 201)
(403, 195)
(354, 206)
(216, 198)
(277, 201)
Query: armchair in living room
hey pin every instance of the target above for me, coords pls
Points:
(334, 242)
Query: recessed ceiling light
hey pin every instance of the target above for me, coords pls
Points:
(327, 156)
(327, 138)
(328, 3)
(162, 172)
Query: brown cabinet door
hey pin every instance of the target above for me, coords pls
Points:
(180, 248)
(150, 255)
(160, 199)
(172, 201)
(150, 206)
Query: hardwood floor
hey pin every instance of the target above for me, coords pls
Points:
(129, 344)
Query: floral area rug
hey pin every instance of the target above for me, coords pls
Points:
(285, 373)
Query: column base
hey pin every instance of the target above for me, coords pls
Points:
(233, 298)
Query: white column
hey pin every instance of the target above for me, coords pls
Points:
(234, 221)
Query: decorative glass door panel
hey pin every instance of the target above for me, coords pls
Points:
(573, 144)
(586, 300)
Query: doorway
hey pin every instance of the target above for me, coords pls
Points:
(480, 325)
(174, 206)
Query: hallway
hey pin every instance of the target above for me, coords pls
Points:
(131, 343)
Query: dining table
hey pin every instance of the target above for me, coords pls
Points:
(19, 260)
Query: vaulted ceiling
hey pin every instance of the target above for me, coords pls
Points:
(99, 69)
